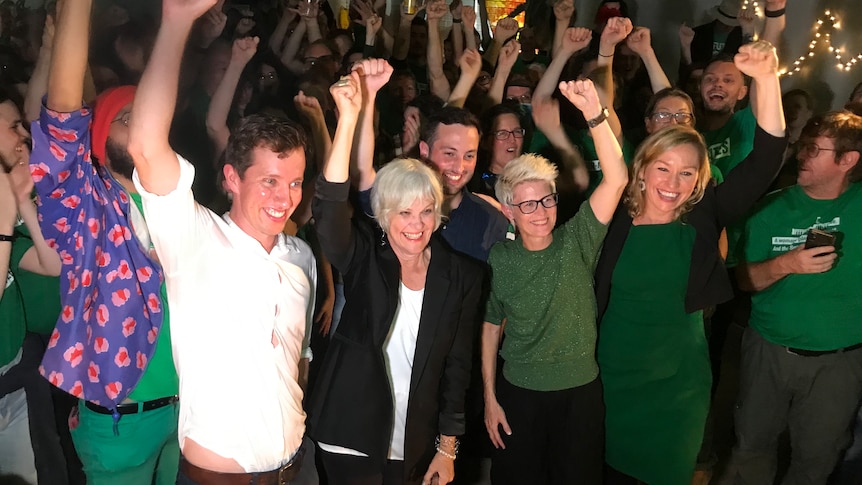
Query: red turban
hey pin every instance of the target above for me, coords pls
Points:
(105, 110)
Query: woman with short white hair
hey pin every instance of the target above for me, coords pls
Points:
(389, 401)
(545, 413)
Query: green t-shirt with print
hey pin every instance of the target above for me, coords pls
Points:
(731, 143)
(160, 377)
(808, 311)
(548, 302)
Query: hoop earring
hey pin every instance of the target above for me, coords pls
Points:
(641, 185)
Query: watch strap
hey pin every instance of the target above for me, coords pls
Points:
(592, 123)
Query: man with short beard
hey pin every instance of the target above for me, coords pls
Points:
(111, 347)
(450, 143)
(729, 134)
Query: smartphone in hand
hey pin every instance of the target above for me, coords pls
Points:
(818, 238)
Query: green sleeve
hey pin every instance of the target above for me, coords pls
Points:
(494, 308)
(587, 233)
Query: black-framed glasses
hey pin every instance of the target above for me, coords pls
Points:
(665, 117)
(530, 206)
(123, 118)
(483, 79)
(811, 150)
(504, 134)
(523, 99)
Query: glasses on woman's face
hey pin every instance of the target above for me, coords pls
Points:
(530, 206)
(665, 117)
(504, 134)
(811, 150)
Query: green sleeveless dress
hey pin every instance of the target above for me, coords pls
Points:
(653, 359)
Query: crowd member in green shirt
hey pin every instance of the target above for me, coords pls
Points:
(19, 454)
(545, 414)
(729, 134)
(802, 354)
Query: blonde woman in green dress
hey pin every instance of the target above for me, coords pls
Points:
(659, 268)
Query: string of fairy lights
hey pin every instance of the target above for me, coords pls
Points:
(828, 22)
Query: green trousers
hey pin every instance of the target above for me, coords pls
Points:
(145, 450)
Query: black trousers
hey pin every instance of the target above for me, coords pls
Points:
(360, 470)
(558, 437)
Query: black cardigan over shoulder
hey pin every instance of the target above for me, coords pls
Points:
(708, 283)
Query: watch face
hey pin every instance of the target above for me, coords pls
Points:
(598, 119)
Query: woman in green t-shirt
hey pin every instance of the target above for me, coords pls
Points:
(544, 414)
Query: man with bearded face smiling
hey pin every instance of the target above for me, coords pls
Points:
(450, 143)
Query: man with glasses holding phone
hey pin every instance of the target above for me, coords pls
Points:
(802, 354)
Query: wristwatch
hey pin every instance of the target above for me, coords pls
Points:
(598, 119)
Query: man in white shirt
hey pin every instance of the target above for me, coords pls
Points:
(241, 292)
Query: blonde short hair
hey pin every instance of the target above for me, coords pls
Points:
(528, 167)
(400, 183)
(653, 147)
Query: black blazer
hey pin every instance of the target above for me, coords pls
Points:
(352, 402)
(721, 205)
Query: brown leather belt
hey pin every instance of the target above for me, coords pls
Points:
(281, 476)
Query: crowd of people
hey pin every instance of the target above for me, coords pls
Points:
(356, 243)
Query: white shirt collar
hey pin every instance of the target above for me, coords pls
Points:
(241, 237)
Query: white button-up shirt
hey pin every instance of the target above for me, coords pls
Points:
(239, 321)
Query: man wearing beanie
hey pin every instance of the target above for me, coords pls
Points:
(111, 347)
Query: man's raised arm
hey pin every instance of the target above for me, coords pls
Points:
(69, 61)
(155, 161)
